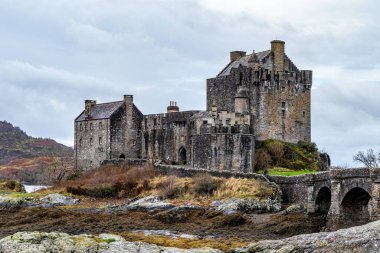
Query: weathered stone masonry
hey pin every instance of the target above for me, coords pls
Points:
(348, 195)
(255, 97)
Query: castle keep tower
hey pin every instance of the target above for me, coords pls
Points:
(276, 94)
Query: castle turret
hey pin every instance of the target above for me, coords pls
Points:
(172, 107)
(88, 105)
(307, 78)
(242, 100)
(278, 50)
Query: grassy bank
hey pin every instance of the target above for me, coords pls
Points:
(288, 172)
(140, 181)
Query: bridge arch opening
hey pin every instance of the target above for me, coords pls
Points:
(323, 201)
(122, 156)
(355, 205)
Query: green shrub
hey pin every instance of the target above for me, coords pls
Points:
(274, 153)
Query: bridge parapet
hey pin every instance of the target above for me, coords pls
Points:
(297, 189)
(350, 173)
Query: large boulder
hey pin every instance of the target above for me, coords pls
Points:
(59, 200)
(38, 242)
(150, 203)
(361, 239)
(7, 203)
(247, 205)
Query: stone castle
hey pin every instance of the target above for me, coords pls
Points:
(255, 97)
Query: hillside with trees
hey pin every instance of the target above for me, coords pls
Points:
(15, 144)
(33, 160)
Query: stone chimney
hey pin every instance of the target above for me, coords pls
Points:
(234, 55)
(278, 50)
(88, 105)
(172, 107)
(128, 99)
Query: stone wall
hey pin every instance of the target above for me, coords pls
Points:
(295, 189)
(126, 132)
(187, 171)
(282, 109)
(167, 136)
(224, 152)
(92, 139)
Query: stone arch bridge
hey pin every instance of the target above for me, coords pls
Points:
(345, 194)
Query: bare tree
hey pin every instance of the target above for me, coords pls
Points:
(60, 168)
(370, 159)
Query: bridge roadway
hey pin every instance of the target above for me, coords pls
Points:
(344, 194)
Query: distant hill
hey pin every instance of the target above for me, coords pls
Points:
(16, 144)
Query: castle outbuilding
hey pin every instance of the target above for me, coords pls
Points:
(256, 97)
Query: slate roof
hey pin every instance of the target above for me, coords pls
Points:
(102, 111)
(242, 61)
(201, 115)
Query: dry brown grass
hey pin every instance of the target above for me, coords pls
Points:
(243, 188)
(140, 181)
(111, 181)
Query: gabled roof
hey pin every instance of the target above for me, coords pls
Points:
(243, 61)
(101, 111)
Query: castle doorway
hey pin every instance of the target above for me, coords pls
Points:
(122, 156)
(182, 155)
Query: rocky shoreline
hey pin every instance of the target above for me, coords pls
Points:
(37, 242)
(91, 229)
(361, 239)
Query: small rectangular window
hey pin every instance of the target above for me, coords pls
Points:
(283, 105)
(304, 114)
(205, 122)
(155, 122)
(91, 127)
(91, 141)
(100, 125)
(283, 113)
(100, 140)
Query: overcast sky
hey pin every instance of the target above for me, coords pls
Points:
(55, 54)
